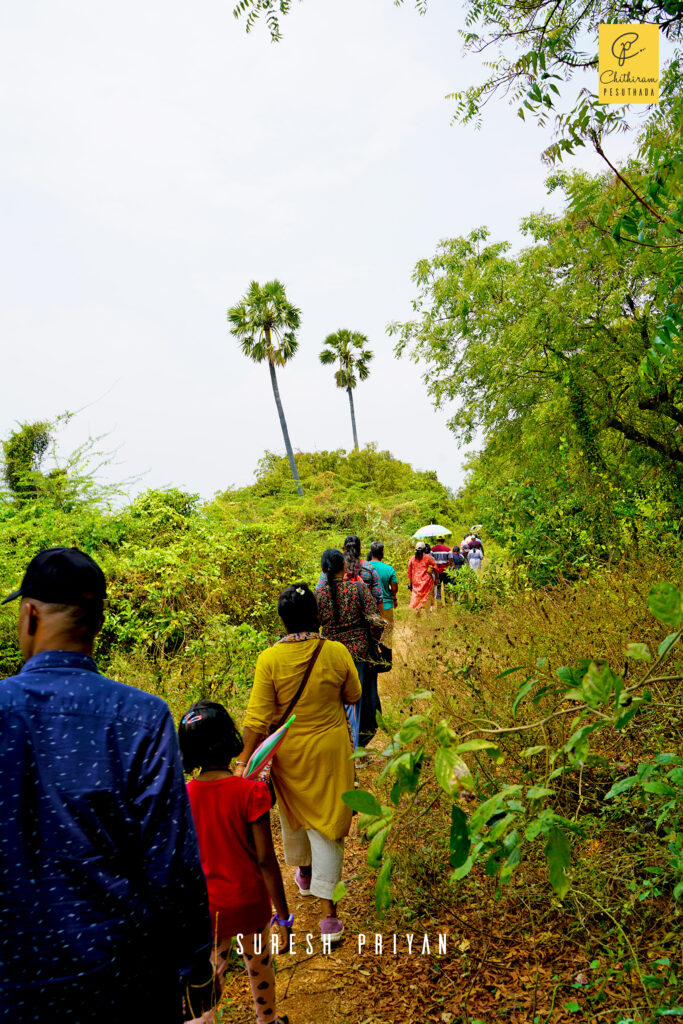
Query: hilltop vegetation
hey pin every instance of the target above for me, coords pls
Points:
(193, 586)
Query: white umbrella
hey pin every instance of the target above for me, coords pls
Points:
(433, 530)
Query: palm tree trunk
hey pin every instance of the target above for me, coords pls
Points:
(353, 418)
(285, 432)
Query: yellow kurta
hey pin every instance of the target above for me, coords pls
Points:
(311, 769)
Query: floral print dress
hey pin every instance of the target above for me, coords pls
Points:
(353, 602)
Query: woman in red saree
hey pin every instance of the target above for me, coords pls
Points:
(421, 572)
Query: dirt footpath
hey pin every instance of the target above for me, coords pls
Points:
(348, 986)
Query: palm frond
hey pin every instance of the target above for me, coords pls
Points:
(340, 346)
(264, 322)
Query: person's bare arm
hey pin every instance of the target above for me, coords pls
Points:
(261, 710)
(251, 740)
(269, 867)
(351, 690)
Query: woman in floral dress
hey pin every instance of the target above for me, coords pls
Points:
(345, 605)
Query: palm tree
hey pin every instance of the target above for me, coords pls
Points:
(340, 346)
(264, 322)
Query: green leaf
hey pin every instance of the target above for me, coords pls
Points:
(459, 838)
(375, 826)
(664, 602)
(621, 786)
(659, 789)
(339, 892)
(668, 759)
(537, 792)
(382, 893)
(509, 671)
(638, 652)
(558, 857)
(450, 770)
(465, 869)
(524, 689)
(421, 695)
(598, 684)
(577, 744)
(534, 829)
(463, 748)
(412, 728)
(511, 863)
(491, 806)
(362, 801)
(377, 846)
(532, 751)
(667, 643)
(629, 713)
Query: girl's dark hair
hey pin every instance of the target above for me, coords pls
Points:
(376, 550)
(419, 552)
(298, 609)
(208, 737)
(353, 544)
(332, 561)
(428, 548)
(352, 555)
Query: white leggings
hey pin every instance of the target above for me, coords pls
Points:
(307, 846)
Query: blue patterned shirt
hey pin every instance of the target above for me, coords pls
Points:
(101, 885)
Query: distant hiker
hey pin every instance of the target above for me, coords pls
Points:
(441, 554)
(104, 904)
(472, 540)
(457, 558)
(475, 557)
(389, 581)
(421, 573)
(347, 613)
(367, 572)
(232, 817)
(356, 566)
(311, 769)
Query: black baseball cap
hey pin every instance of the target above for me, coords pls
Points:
(62, 576)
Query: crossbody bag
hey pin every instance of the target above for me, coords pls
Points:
(302, 686)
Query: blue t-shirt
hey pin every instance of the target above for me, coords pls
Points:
(387, 575)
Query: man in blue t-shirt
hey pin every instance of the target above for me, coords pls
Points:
(389, 584)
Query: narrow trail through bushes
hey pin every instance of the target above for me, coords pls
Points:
(517, 958)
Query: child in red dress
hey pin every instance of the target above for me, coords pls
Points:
(232, 817)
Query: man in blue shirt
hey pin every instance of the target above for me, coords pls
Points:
(103, 906)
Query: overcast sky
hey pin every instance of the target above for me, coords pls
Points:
(155, 159)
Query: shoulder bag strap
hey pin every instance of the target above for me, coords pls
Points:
(302, 685)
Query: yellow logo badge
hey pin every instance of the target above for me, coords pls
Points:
(628, 64)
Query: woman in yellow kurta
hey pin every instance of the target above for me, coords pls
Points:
(311, 769)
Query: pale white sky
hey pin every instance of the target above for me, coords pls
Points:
(155, 159)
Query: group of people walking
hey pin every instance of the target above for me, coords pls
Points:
(428, 569)
(123, 887)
